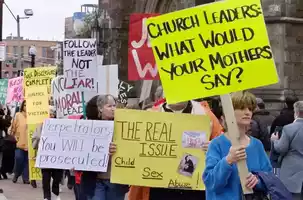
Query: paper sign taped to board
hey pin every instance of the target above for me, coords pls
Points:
(151, 151)
(75, 144)
(212, 49)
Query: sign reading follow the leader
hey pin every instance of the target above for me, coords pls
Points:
(75, 144)
(80, 64)
(212, 49)
(159, 149)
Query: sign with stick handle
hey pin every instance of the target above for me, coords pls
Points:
(213, 49)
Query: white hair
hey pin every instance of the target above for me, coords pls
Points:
(103, 99)
(298, 109)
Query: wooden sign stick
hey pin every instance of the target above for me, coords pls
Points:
(234, 136)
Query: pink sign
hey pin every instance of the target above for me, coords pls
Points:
(15, 90)
(74, 117)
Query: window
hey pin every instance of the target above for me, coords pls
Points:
(22, 51)
(15, 64)
(44, 52)
(15, 50)
(6, 74)
(7, 49)
(15, 74)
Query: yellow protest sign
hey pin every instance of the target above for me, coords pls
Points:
(212, 49)
(37, 104)
(159, 149)
(36, 80)
(39, 76)
(34, 173)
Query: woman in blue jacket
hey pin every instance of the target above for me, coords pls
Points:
(221, 175)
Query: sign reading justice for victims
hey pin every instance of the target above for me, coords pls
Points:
(159, 149)
(212, 49)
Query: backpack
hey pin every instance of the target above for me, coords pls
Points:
(264, 132)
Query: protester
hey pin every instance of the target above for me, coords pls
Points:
(7, 143)
(48, 174)
(261, 123)
(221, 175)
(286, 115)
(159, 96)
(19, 130)
(97, 186)
(290, 148)
(189, 107)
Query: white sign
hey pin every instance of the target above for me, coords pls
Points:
(108, 80)
(80, 63)
(68, 102)
(2, 51)
(75, 144)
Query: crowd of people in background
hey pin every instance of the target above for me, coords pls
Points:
(268, 143)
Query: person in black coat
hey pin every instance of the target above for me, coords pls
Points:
(286, 115)
(7, 147)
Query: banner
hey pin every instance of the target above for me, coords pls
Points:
(212, 49)
(141, 61)
(159, 149)
(68, 102)
(80, 63)
(75, 144)
(3, 91)
(15, 90)
(36, 79)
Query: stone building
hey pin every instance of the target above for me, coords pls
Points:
(284, 20)
(45, 55)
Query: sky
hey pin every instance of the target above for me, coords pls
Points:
(48, 20)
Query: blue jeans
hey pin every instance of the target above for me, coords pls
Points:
(105, 190)
(21, 164)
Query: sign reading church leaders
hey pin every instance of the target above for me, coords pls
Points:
(212, 49)
(79, 144)
(159, 149)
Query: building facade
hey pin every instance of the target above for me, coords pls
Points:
(45, 55)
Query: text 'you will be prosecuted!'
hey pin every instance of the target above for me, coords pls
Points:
(214, 46)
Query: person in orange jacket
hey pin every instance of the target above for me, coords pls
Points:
(190, 107)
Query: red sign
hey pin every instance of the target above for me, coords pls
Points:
(141, 61)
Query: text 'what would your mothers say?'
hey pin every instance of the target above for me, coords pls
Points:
(211, 47)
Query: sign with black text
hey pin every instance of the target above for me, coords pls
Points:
(75, 144)
(80, 63)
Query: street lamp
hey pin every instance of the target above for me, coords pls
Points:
(28, 13)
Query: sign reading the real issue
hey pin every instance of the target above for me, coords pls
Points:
(159, 149)
(212, 49)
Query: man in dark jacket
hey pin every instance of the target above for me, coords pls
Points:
(261, 122)
(286, 115)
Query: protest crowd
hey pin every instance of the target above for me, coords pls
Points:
(170, 145)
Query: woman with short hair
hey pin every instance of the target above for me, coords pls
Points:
(221, 174)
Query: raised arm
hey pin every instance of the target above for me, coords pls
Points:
(282, 145)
